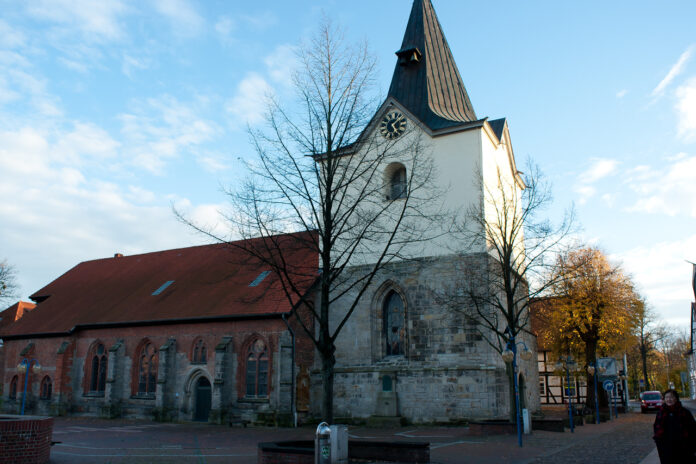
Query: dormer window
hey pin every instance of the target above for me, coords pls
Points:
(408, 56)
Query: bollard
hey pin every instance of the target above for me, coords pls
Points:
(322, 444)
(526, 421)
(339, 444)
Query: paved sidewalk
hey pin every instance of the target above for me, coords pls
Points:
(83, 440)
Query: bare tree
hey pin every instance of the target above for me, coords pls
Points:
(364, 198)
(649, 333)
(8, 283)
(520, 246)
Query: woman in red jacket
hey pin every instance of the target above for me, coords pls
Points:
(675, 431)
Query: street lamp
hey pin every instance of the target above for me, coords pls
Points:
(23, 368)
(568, 363)
(509, 355)
(591, 369)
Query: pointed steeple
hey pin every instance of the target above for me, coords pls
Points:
(426, 79)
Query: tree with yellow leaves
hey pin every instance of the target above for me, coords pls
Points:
(593, 308)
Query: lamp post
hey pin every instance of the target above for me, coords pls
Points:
(592, 369)
(568, 363)
(23, 368)
(509, 355)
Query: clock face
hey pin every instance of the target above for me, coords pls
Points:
(393, 125)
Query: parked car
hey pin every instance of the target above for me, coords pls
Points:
(650, 400)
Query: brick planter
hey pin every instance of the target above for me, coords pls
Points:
(492, 427)
(302, 452)
(25, 439)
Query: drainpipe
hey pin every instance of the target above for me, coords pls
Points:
(292, 372)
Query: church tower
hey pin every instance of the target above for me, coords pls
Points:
(404, 353)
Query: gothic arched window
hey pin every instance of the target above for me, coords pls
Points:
(257, 369)
(394, 324)
(96, 368)
(13, 388)
(397, 183)
(46, 388)
(200, 352)
(147, 370)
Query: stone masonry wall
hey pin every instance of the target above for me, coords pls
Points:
(447, 373)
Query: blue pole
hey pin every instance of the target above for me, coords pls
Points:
(26, 382)
(570, 399)
(596, 398)
(517, 390)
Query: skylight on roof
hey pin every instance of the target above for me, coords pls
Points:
(162, 288)
(259, 279)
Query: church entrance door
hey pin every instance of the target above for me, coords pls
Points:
(203, 400)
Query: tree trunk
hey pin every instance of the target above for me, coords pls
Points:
(644, 363)
(591, 359)
(327, 376)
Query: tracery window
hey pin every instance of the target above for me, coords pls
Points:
(397, 184)
(394, 327)
(46, 388)
(97, 368)
(200, 352)
(13, 388)
(147, 370)
(257, 370)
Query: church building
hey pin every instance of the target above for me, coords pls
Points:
(206, 333)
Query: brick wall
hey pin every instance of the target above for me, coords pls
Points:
(25, 440)
(65, 360)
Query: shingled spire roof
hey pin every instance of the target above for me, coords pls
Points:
(426, 79)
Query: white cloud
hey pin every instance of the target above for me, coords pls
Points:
(621, 93)
(10, 37)
(131, 64)
(599, 169)
(282, 63)
(670, 190)
(163, 128)
(676, 69)
(686, 109)
(224, 27)
(261, 21)
(585, 192)
(183, 16)
(249, 103)
(61, 214)
(663, 275)
(213, 163)
(99, 21)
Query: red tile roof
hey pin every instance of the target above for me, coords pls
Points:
(15, 312)
(209, 281)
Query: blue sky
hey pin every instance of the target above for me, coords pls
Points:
(113, 111)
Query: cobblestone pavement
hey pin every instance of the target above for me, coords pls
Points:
(627, 441)
(622, 441)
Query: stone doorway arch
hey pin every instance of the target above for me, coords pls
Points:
(203, 396)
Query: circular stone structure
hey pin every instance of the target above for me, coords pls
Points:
(25, 439)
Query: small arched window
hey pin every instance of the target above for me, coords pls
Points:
(397, 184)
(200, 352)
(394, 327)
(147, 370)
(97, 369)
(13, 388)
(46, 388)
(257, 370)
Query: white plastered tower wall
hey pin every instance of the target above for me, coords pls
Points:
(446, 371)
